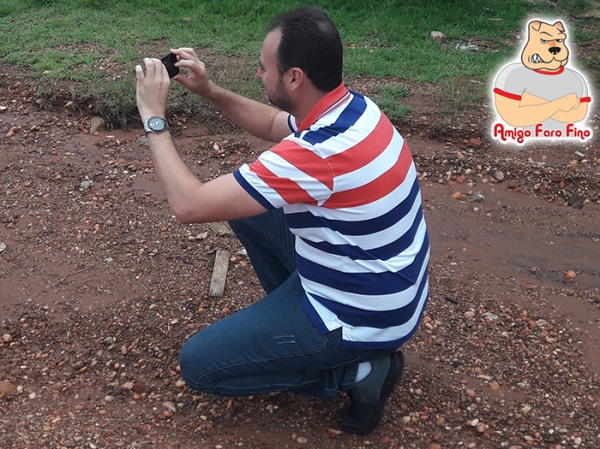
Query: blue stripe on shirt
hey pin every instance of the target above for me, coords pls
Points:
(381, 253)
(361, 345)
(347, 119)
(252, 191)
(303, 220)
(376, 319)
(386, 283)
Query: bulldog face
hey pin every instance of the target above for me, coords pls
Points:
(545, 49)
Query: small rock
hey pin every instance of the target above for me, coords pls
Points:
(85, 184)
(457, 195)
(301, 440)
(2, 246)
(7, 338)
(477, 197)
(499, 176)
(140, 388)
(109, 341)
(334, 432)
(219, 228)
(143, 141)
(109, 398)
(77, 365)
(7, 387)
(490, 316)
(576, 201)
(170, 406)
(475, 143)
(570, 275)
(468, 315)
(97, 124)
(437, 36)
(434, 446)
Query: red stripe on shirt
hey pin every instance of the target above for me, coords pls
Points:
(585, 99)
(375, 189)
(306, 161)
(347, 161)
(507, 94)
(365, 151)
(289, 190)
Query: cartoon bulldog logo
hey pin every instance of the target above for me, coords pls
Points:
(539, 96)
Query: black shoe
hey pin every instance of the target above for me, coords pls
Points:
(369, 396)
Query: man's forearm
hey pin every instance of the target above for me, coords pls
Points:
(174, 176)
(258, 119)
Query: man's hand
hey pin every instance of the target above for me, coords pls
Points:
(256, 118)
(197, 79)
(152, 88)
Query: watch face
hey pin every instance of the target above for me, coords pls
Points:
(157, 124)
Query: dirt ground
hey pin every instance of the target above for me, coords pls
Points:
(100, 286)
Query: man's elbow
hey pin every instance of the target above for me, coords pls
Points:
(183, 213)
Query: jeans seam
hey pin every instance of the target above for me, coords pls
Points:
(345, 364)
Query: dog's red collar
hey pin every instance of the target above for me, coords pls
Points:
(558, 72)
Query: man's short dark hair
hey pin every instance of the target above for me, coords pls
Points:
(311, 42)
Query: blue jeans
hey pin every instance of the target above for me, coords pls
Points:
(271, 345)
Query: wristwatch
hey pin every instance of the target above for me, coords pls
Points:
(155, 124)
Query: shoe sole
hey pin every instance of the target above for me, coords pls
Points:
(346, 417)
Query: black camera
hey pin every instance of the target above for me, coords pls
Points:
(169, 62)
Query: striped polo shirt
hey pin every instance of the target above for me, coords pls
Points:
(347, 183)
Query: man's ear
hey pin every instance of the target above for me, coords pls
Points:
(295, 77)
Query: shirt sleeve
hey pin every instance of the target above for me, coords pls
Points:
(511, 82)
(289, 173)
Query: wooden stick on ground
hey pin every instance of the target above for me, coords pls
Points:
(219, 275)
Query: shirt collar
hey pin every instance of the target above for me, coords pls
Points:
(558, 72)
(329, 102)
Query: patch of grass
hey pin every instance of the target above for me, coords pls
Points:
(389, 99)
(98, 42)
(459, 94)
(581, 8)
